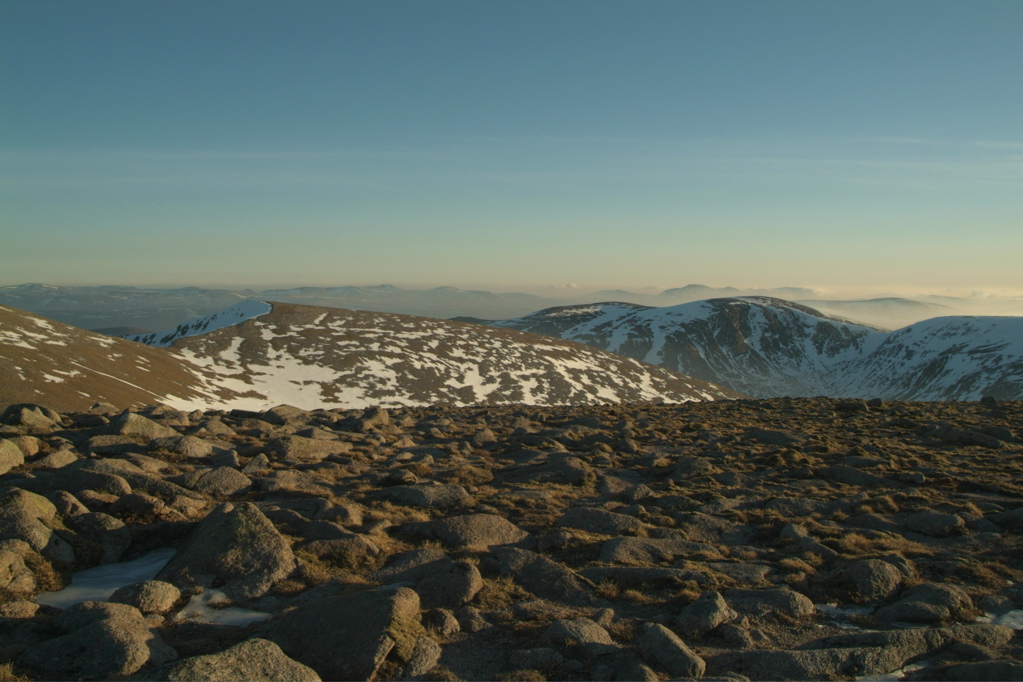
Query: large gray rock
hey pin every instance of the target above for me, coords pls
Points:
(439, 581)
(578, 630)
(148, 596)
(219, 482)
(10, 456)
(872, 579)
(236, 545)
(26, 516)
(131, 424)
(928, 603)
(104, 642)
(705, 614)
(936, 524)
(108, 532)
(645, 551)
(543, 577)
(348, 637)
(599, 521)
(764, 602)
(301, 450)
(429, 496)
(476, 530)
(253, 659)
(664, 650)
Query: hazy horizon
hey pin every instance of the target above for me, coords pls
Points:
(863, 147)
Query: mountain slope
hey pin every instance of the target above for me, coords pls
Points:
(755, 345)
(237, 313)
(945, 358)
(322, 357)
(67, 368)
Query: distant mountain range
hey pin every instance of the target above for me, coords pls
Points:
(111, 309)
(255, 356)
(767, 347)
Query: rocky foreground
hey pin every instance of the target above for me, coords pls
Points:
(775, 539)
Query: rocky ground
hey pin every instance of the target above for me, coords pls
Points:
(604, 543)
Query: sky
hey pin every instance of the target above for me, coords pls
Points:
(513, 145)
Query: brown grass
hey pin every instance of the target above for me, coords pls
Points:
(531, 675)
(8, 674)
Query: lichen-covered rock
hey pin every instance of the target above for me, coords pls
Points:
(664, 650)
(705, 614)
(253, 659)
(872, 579)
(237, 545)
(148, 596)
(104, 641)
(348, 637)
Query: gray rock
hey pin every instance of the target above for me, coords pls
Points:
(450, 586)
(935, 524)
(15, 576)
(705, 614)
(132, 424)
(300, 450)
(253, 659)
(809, 664)
(103, 643)
(663, 649)
(236, 545)
(599, 521)
(424, 658)
(476, 530)
(928, 603)
(108, 532)
(429, 496)
(10, 456)
(970, 672)
(149, 596)
(543, 577)
(643, 551)
(219, 482)
(872, 579)
(577, 630)
(187, 446)
(348, 637)
(25, 516)
(764, 602)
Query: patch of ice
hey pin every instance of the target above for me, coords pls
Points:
(1013, 619)
(203, 608)
(98, 583)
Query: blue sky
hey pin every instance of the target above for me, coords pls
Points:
(513, 145)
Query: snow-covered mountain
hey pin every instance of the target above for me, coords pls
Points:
(323, 357)
(945, 358)
(67, 368)
(256, 356)
(769, 347)
(236, 314)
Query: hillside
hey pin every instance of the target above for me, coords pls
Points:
(253, 357)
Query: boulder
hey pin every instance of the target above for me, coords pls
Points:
(543, 577)
(765, 602)
(664, 650)
(104, 642)
(301, 450)
(577, 630)
(148, 596)
(253, 659)
(348, 637)
(10, 456)
(429, 496)
(236, 545)
(705, 614)
(476, 530)
(25, 516)
(599, 521)
(872, 579)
